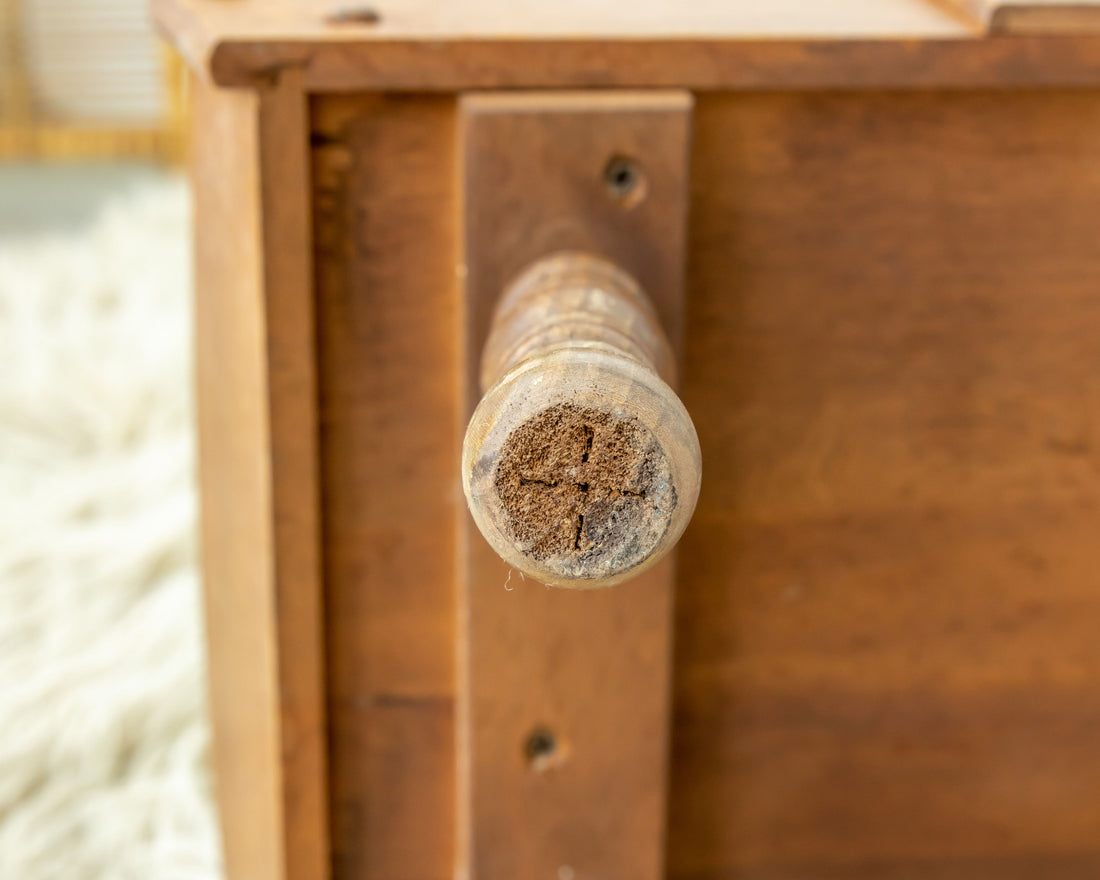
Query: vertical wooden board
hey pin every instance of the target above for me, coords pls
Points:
(234, 469)
(257, 430)
(522, 203)
(589, 668)
(295, 472)
(887, 661)
(383, 186)
(592, 669)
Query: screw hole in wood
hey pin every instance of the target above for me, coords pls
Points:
(625, 181)
(354, 15)
(542, 749)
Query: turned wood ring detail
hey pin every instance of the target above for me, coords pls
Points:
(580, 464)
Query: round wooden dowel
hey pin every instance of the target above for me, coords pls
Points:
(580, 465)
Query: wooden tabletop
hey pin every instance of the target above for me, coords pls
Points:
(345, 45)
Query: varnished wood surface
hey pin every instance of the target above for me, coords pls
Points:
(887, 661)
(580, 464)
(234, 469)
(592, 670)
(556, 149)
(229, 39)
(418, 46)
(560, 177)
(595, 19)
(295, 470)
(383, 182)
(886, 664)
(257, 430)
(1053, 17)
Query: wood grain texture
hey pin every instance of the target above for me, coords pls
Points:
(580, 464)
(591, 670)
(234, 467)
(1051, 17)
(421, 46)
(427, 20)
(383, 182)
(561, 176)
(576, 296)
(886, 657)
(295, 471)
(258, 464)
(886, 662)
(207, 29)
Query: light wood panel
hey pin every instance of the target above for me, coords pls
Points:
(205, 23)
(1053, 17)
(886, 656)
(421, 46)
(886, 663)
(258, 465)
(234, 466)
(295, 470)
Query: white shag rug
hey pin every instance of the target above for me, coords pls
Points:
(104, 764)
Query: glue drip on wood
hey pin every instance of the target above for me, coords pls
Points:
(586, 492)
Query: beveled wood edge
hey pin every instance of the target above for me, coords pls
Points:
(285, 199)
(181, 30)
(1032, 17)
(471, 551)
(234, 500)
(260, 475)
(347, 63)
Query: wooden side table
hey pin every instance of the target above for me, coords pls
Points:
(859, 241)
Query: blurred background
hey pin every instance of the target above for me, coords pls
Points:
(103, 739)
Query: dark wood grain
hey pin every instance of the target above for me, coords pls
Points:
(886, 658)
(887, 662)
(592, 670)
(383, 198)
(741, 44)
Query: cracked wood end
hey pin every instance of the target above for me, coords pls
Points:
(580, 465)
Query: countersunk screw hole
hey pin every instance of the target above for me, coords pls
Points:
(542, 750)
(354, 15)
(625, 181)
